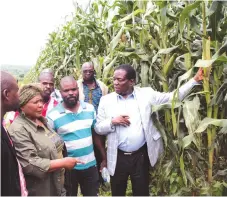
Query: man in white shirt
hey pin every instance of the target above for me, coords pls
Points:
(132, 139)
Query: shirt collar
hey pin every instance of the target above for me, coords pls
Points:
(132, 95)
(61, 108)
(42, 119)
(96, 82)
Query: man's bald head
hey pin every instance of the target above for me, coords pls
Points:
(67, 80)
(47, 81)
(87, 64)
(7, 80)
(46, 75)
(88, 72)
(69, 91)
(48, 70)
(9, 93)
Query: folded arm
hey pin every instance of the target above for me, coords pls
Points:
(103, 125)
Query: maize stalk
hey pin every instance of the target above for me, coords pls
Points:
(206, 87)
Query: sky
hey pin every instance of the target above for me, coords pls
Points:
(25, 25)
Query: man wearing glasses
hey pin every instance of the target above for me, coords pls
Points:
(90, 91)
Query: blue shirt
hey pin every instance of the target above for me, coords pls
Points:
(132, 137)
(92, 96)
(75, 129)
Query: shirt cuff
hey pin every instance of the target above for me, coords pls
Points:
(194, 82)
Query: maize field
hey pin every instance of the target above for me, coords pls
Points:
(166, 42)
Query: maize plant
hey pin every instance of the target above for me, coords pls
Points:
(166, 42)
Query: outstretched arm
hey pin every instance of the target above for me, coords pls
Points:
(162, 97)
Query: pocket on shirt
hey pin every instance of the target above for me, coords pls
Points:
(43, 152)
(156, 136)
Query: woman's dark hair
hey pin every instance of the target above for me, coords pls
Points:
(130, 71)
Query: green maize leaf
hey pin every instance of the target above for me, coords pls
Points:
(186, 141)
(144, 74)
(205, 190)
(183, 77)
(221, 173)
(208, 63)
(134, 55)
(172, 16)
(155, 58)
(173, 115)
(168, 50)
(222, 50)
(130, 15)
(185, 14)
(161, 129)
(156, 108)
(223, 130)
(220, 95)
(192, 117)
(164, 52)
(182, 191)
(183, 170)
(215, 15)
(189, 177)
(116, 39)
(153, 20)
(143, 37)
(163, 16)
(210, 121)
(169, 65)
(107, 69)
(195, 24)
(191, 114)
(224, 184)
(187, 59)
(196, 93)
(213, 8)
(221, 59)
(168, 167)
(160, 75)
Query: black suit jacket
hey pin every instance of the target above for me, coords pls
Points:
(10, 179)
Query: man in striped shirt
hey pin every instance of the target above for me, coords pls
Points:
(74, 121)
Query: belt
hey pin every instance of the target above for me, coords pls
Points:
(144, 147)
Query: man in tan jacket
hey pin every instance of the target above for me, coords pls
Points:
(91, 90)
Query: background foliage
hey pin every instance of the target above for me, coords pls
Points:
(166, 42)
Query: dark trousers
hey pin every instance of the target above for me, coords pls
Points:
(137, 167)
(87, 179)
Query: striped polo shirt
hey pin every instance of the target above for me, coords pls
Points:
(75, 129)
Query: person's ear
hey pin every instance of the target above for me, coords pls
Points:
(5, 94)
(22, 109)
(132, 82)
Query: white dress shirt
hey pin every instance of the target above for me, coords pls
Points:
(131, 137)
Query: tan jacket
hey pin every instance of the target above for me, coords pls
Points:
(103, 87)
(35, 151)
